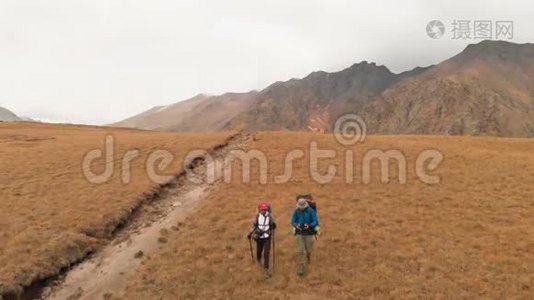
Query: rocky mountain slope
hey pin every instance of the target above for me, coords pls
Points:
(487, 89)
(282, 105)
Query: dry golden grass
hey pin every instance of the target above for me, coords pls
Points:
(50, 214)
(471, 236)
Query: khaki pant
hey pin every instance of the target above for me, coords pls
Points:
(304, 249)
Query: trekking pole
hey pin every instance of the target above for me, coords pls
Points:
(274, 250)
(250, 247)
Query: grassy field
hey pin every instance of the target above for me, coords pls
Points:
(50, 214)
(470, 236)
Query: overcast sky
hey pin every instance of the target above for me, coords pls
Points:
(100, 61)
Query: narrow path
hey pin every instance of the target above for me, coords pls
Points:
(106, 272)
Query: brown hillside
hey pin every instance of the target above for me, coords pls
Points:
(200, 113)
(471, 236)
(50, 215)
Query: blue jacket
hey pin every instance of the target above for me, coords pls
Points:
(306, 216)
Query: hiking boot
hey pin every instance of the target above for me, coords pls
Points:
(301, 270)
(267, 273)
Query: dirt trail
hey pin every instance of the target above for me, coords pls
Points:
(106, 272)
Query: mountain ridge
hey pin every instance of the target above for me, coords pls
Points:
(484, 90)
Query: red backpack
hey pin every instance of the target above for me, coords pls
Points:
(309, 199)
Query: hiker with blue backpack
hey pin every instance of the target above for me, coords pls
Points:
(305, 222)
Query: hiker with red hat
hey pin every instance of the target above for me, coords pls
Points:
(263, 233)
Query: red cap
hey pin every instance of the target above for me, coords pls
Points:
(263, 206)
